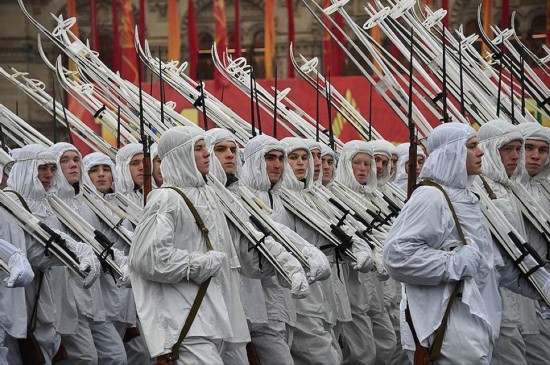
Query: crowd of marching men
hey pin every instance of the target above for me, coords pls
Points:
(328, 304)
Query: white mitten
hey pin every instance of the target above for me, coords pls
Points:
(299, 287)
(319, 267)
(363, 262)
(122, 262)
(21, 273)
(89, 264)
(464, 263)
(204, 265)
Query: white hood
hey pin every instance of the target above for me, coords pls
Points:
(124, 183)
(254, 173)
(401, 176)
(344, 172)
(538, 132)
(383, 147)
(289, 180)
(176, 151)
(213, 137)
(63, 189)
(446, 163)
(96, 159)
(492, 136)
(24, 174)
(327, 151)
(314, 145)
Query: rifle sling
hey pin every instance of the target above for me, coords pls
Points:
(21, 199)
(439, 333)
(174, 355)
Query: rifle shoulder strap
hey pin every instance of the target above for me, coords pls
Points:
(174, 355)
(439, 333)
(488, 188)
(21, 199)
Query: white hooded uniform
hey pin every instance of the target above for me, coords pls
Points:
(538, 345)
(91, 304)
(314, 340)
(401, 176)
(252, 295)
(327, 151)
(24, 180)
(120, 306)
(424, 257)
(280, 307)
(13, 314)
(124, 184)
(518, 317)
(168, 259)
(369, 337)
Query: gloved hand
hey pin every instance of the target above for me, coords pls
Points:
(463, 263)
(21, 273)
(319, 267)
(89, 264)
(204, 265)
(122, 262)
(299, 287)
(363, 261)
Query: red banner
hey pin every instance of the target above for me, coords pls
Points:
(128, 69)
(116, 40)
(333, 56)
(269, 37)
(220, 36)
(237, 28)
(192, 39)
(290, 10)
(174, 38)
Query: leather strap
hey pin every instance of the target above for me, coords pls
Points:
(21, 199)
(439, 333)
(487, 187)
(174, 355)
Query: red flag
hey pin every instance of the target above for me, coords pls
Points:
(505, 15)
(445, 6)
(116, 40)
(93, 26)
(237, 28)
(327, 42)
(290, 10)
(71, 13)
(220, 36)
(141, 24)
(487, 7)
(338, 54)
(128, 69)
(269, 38)
(192, 39)
(174, 39)
(333, 56)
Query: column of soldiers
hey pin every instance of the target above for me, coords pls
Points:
(345, 307)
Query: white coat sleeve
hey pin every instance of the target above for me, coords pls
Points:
(412, 251)
(154, 255)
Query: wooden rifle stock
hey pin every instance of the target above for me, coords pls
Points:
(147, 175)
